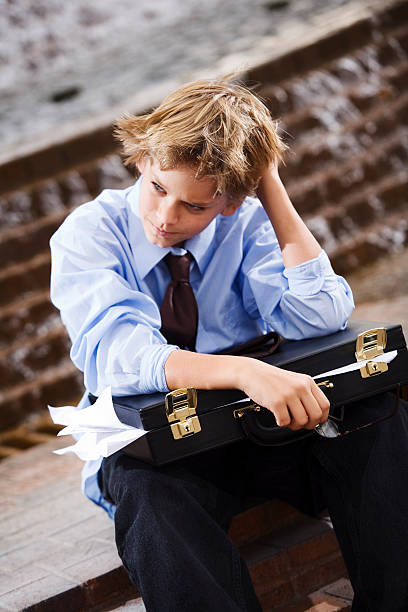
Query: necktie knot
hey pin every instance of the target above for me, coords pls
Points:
(179, 311)
(179, 267)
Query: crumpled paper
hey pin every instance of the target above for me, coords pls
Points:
(101, 432)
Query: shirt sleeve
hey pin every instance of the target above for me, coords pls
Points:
(299, 302)
(113, 326)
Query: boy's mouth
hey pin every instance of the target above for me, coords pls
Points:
(161, 232)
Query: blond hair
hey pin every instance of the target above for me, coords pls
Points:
(218, 126)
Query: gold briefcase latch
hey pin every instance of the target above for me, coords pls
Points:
(181, 406)
(370, 344)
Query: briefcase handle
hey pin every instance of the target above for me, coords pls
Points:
(261, 427)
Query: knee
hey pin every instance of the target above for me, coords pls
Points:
(146, 497)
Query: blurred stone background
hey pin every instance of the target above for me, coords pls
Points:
(64, 61)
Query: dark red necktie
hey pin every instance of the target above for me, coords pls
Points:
(179, 312)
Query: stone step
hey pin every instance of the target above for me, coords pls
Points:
(333, 147)
(322, 600)
(25, 278)
(357, 78)
(257, 520)
(388, 198)
(21, 243)
(334, 597)
(27, 317)
(342, 122)
(370, 244)
(352, 86)
(368, 175)
(39, 165)
(80, 150)
(362, 212)
(35, 431)
(58, 385)
(76, 186)
(379, 167)
(20, 438)
(292, 561)
(63, 191)
(319, 601)
(29, 205)
(135, 604)
(24, 360)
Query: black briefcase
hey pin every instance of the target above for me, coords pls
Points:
(189, 421)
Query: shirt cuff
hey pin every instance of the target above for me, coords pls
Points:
(152, 377)
(309, 277)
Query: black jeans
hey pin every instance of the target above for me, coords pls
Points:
(171, 522)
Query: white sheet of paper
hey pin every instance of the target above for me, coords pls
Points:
(385, 358)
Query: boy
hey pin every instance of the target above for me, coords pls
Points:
(249, 265)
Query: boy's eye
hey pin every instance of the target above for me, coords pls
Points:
(194, 207)
(157, 187)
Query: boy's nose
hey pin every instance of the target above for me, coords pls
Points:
(167, 213)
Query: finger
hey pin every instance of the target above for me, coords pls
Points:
(300, 417)
(313, 410)
(322, 401)
(282, 416)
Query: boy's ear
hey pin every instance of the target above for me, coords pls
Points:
(232, 206)
(142, 164)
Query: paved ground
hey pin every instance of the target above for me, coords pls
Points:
(381, 290)
(51, 538)
(64, 62)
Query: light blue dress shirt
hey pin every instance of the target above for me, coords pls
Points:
(108, 281)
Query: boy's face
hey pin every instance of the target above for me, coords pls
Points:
(174, 206)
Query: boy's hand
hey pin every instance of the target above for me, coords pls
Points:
(295, 399)
(296, 242)
(270, 174)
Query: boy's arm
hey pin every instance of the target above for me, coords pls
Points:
(295, 240)
(295, 399)
(114, 327)
(286, 279)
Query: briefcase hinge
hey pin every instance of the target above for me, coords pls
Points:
(370, 344)
(181, 406)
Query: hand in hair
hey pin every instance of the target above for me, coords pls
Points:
(295, 240)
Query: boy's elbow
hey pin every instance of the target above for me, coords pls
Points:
(311, 320)
(333, 317)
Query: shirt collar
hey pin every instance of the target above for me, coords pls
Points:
(148, 255)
